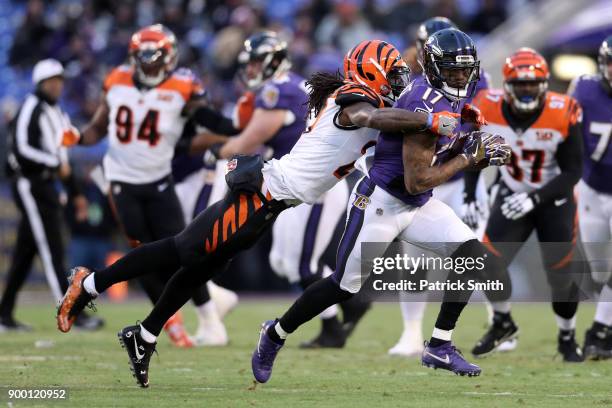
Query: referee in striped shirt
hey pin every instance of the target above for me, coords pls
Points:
(36, 160)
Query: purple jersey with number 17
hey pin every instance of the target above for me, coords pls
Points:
(387, 170)
(596, 129)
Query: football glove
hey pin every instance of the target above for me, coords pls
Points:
(471, 114)
(443, 123)
(471, 211)
(517, 205)
(212, 154)
(483, 149)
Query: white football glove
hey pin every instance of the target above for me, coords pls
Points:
(517, 205)
(471, 211)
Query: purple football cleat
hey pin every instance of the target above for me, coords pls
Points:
(264, 354)
(447, 357)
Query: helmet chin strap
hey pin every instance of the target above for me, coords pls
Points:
(455, 93)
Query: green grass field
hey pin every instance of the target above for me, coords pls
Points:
(95, 369)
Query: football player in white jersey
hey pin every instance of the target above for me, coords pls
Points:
(143, 111)
(536, 189)
(302, 233)
(349, 114)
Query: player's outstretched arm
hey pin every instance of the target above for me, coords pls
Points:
(417, 154)
(262, 127)
(395, 120)
(97, 127)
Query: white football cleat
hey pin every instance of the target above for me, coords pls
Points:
(508, 345)
(410, 344)
(211, 330)
(225, 299)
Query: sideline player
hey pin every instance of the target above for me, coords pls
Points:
(536, 189)
(594, 93)
(348, 114)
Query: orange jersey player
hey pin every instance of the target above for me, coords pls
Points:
(536, 188)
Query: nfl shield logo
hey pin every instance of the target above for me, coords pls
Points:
(231, 165)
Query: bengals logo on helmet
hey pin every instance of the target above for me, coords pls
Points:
(379, 66)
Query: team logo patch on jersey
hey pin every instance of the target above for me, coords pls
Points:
(269, 96)
(231, 165)
(361, 202)
(165, 97)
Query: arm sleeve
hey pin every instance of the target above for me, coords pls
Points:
(214, 121)
(569, 159)
(470, 179)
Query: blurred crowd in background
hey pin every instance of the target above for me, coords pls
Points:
(90, 37)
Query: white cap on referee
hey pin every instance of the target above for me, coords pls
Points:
(45, 69)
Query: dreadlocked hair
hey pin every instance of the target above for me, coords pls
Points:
(321, 85)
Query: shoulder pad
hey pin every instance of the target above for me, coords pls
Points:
(352, 93)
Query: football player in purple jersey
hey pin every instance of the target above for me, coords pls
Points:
(594, 93)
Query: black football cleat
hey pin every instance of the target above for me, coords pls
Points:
(353, 311)
(568, 348)
(502, 330)
(331, 336)
(597, 344)
(139, 353)
(9, 324)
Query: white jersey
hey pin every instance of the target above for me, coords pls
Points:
(534, 150)
(325, 153)
(145, 125)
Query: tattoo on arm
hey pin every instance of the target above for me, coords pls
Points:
(417, 154)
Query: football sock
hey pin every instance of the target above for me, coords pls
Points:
(155, 257)
(206, 309)
(89, 285)
(329, 313)
(565, 324)
(274, 332)
(147, 335)
(413, 305)
(566, 335)
(501, 307)
(316, 298)
(440, 336)
(201, 296)
(177, 292)
(603, 313)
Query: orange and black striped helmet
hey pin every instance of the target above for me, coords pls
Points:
(379, 66)
(154, 53)
(525, 65)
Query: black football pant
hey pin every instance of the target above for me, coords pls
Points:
(39, 232)
(196, 254)
(147, 213)
(555, 224)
